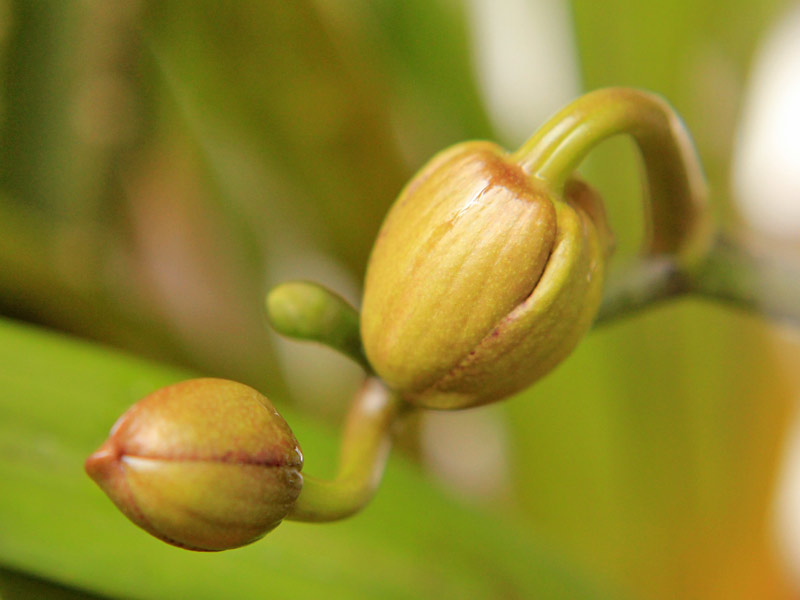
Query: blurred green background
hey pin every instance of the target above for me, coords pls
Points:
(162, 164)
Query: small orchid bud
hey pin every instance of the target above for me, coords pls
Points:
(482, 279)
(205, 464)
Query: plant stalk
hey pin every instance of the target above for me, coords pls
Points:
(731, 272)
(366, 441)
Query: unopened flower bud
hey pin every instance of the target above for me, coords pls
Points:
(205, 464)
(481, 280)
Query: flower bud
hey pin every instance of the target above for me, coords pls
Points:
(481, 280)
(205, 464)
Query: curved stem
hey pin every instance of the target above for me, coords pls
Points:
(365, 447)
(679, 221)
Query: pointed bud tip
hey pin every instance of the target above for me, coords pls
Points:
(103, 461)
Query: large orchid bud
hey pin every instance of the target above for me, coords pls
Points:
(482, 279)
(206, 464)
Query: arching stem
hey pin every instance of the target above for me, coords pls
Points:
(680, 224)
(366, 441)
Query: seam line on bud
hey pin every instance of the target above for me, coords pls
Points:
(494, 331)
(213, 459)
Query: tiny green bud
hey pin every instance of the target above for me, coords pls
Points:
(308, 311)
(205, 464)
(481, 280)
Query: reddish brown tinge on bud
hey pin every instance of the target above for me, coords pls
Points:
(482, 279)
(205, 464)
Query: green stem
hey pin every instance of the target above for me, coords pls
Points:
(365, 447)
(731, 272)
(680, 223)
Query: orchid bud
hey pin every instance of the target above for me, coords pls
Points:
(481, 280)
(205, 464)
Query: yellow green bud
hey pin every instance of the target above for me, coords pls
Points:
(205, 464)
(481, 280)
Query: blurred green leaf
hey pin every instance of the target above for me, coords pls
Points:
(59, 398)
(18, 586)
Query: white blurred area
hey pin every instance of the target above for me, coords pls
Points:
(525, 56)
(766, 162)
(766, 183)
(526, 64)
(467, 450)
